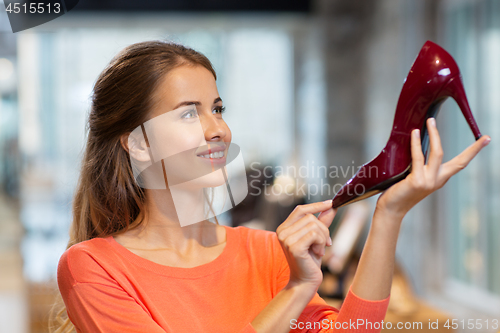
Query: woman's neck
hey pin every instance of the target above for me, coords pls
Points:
(161, 229)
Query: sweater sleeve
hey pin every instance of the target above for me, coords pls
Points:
(356, 314)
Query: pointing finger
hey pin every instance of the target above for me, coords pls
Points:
(326, 216)
(303, 210)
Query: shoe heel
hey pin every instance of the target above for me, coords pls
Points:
(455, 89)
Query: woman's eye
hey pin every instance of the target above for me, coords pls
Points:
(189, 114)
(219, 109)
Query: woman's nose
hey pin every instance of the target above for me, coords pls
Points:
(213, 128)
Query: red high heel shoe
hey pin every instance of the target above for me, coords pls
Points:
(434, 76)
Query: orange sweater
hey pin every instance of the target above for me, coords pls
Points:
(107, 288)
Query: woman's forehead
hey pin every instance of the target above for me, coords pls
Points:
(186, 83)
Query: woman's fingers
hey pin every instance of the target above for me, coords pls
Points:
(460, 161)
(417, 157)
(304, 243)
(303, 224)
(436, 151)
(326, 217)
(305, 239)
(308, 223)
(302, 210)
(300, 225)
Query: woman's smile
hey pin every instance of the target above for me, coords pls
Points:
(214, 155)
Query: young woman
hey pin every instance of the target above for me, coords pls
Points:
(131, 267)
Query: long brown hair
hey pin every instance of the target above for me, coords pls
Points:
(107, 200)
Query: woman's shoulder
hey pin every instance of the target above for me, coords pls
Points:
(87, 249)
(86, 261)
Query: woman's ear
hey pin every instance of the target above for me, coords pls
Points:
(136, 146)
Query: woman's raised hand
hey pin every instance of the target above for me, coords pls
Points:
(426, 178)
(303, 238)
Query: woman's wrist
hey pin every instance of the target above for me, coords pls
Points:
(302, 289)
(373, 277)
(393, 213)
(287, 305)
(386, 223)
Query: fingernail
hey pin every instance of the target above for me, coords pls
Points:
(416, 133)
(486, 142)
(329, 242)
(328, 201)
(433, 122)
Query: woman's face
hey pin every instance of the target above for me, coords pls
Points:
(186, 130)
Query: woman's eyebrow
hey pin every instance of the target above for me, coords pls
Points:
(218, 99)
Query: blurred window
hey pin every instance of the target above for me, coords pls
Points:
(473, 209)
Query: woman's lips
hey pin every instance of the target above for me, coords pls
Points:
(218, 157)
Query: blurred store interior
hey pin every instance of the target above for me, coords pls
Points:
(308, 85)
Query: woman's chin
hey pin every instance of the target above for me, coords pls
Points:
(213, 179)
